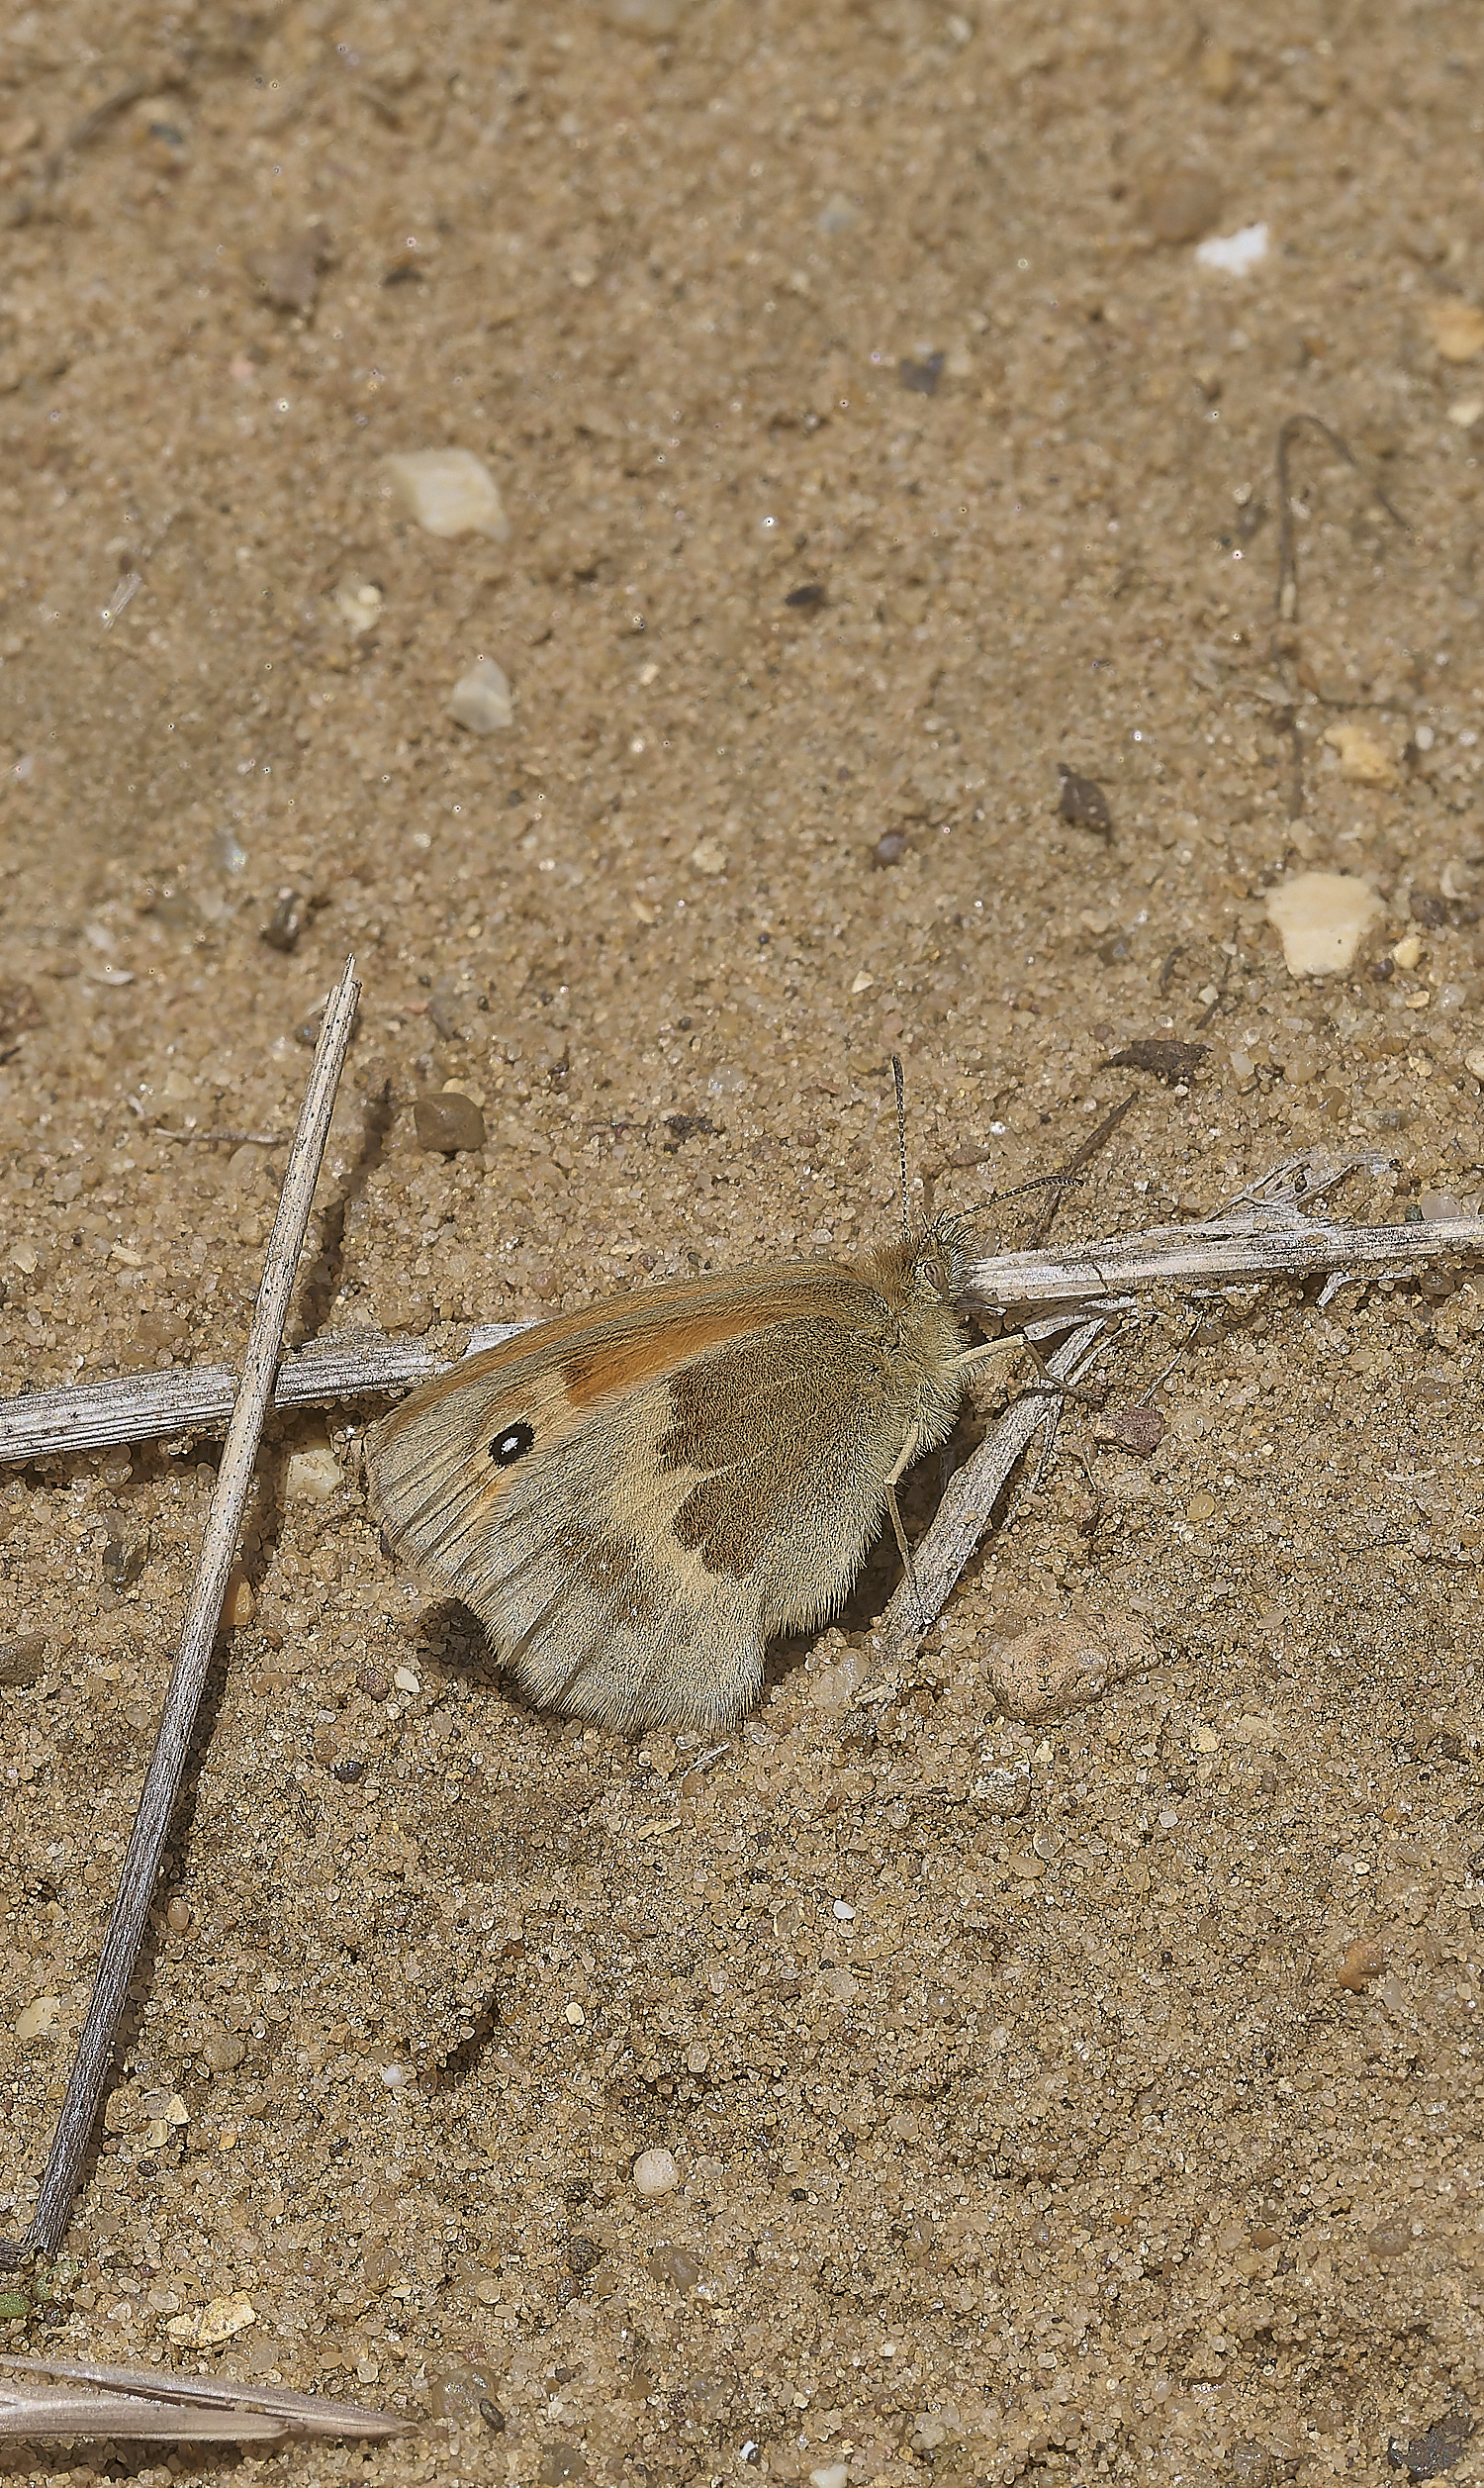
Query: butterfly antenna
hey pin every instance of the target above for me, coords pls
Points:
(900, 1084)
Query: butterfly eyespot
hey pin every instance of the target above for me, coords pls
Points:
(511, 1445)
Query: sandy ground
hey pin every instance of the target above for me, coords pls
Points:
(872, 443)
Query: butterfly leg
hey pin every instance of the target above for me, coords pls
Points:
(972, 1356)
(904, 1461)
(1020, 1339)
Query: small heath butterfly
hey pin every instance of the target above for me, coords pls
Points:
(634, 1499)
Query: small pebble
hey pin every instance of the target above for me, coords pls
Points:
(1138, 1429)
(37, 2016)
(448, 1123)
(803, 600)
(1457, 330)
(313, 1476)
(1322, 919)
(1465, 413)
(1233, 254)
(1083, 801)
(1363, 762)
(178, 1915)
(287, 922)
(1363, 1962)
(480, 698)
(460, 2392)
(922, 377)
(1201, 1506)
(709, 857)
(576, 2016)
(675, 2265)
(224, 2053)
(359, 602)
(215, 2321)
(22, 1660)
(656, 2174)
(844, 1911)
(289, 275)
(889, 849)
(239, 1604)
(561, 2463)
(449, 492)
(654, 17)
(407, 1682)
(396, 2076)
(1058, 1666)
(377, 1683)
(1182, 205)
(698, 2058)
(1004, 1789)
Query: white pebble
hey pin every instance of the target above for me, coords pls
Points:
(480, 698)
(709, 857)
(406, 1682)
(39, 2016)
(1233, 254)
(450, 491)
(359, 602)
(1320, 919)
(313, 1476)
(655, 2173)
(397, 2077)
(843, 1910)
(830, 2475)
(1473, 1061)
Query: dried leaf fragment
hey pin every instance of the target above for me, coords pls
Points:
(1168, 1058)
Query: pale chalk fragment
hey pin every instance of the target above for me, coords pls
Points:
(449, 492)
(1320, 919)
(480, 698)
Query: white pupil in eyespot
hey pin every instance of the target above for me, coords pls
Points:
(512, 1446)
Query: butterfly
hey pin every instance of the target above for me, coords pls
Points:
(634, 1499)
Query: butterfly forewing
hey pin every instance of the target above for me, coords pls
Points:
(632, 1502)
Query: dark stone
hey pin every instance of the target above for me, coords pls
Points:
(1437, 2451)
(889, 849)
(287, 922)
(22, 1660)
(448, 1123)
(922, 378)
(805, 598)
(1084, 803)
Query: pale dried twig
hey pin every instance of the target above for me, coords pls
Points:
(145, 2402)
(1267, 1233)
(126, 1926)
(968, 1501)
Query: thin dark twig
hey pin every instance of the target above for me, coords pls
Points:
(143, 82)
(137, 1879)
(1080, 1158)
(1287, 597)
(1227, 962)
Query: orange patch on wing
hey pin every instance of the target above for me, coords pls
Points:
(617, 1364)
